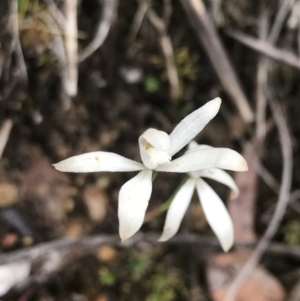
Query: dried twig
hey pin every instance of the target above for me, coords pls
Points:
(88, 244)
(4, 134)
(207, 34)
(167, 49)
(136, 24)
(56, 14)
(103, 27)
(282, 203)
(286, 147)
(266, 48)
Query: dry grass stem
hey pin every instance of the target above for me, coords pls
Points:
(56, 14)
(71, 45)
(266, 48)
(108, 13)
(57, 47)
(168, 52)
(262, 84)
(18, 48)
(136, 25)
(208, 35)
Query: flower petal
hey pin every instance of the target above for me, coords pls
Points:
(13, 274)
(98, 161)
(177, 209)
(206, 158)
(216, 214)
(220, 176)
(133, 201)
(192, 124)
(193, 145)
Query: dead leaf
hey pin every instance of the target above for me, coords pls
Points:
(260, 286)
(96, 201)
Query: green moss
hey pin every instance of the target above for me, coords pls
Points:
(151, 84)
(292, 232)
(138, 265)
(106, 277)
(165, 286)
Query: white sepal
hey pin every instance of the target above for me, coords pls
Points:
(220, 176)
(216, 214)
(154, 146)
(177, 209)
(134, 197)
(192, 124)
(207, 158)
(12, 274)
(98, 161)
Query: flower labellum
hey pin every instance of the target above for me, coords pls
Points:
(154, 146)
(156, 150)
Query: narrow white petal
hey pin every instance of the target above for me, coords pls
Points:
(177, 209)
(13, 274)
(207, 158)
(134, 197)
(216, 214)
(98, 161)
(154, 146)
(193, 145)
(192, 124)
(220, 176)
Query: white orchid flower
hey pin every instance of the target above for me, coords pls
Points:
(156, 149)
(214, 209)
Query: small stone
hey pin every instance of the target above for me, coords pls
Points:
(8, 194)
(9, 240)
(74, 229)
(101, 298)
(27, 241)
(107, 253)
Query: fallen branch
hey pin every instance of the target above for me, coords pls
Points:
(88, 244)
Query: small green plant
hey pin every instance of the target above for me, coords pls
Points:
(292, 232)
(151, 84)
(185, 61)
(23, 6)
(165, 286)
(139, 265)
(106, 277)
